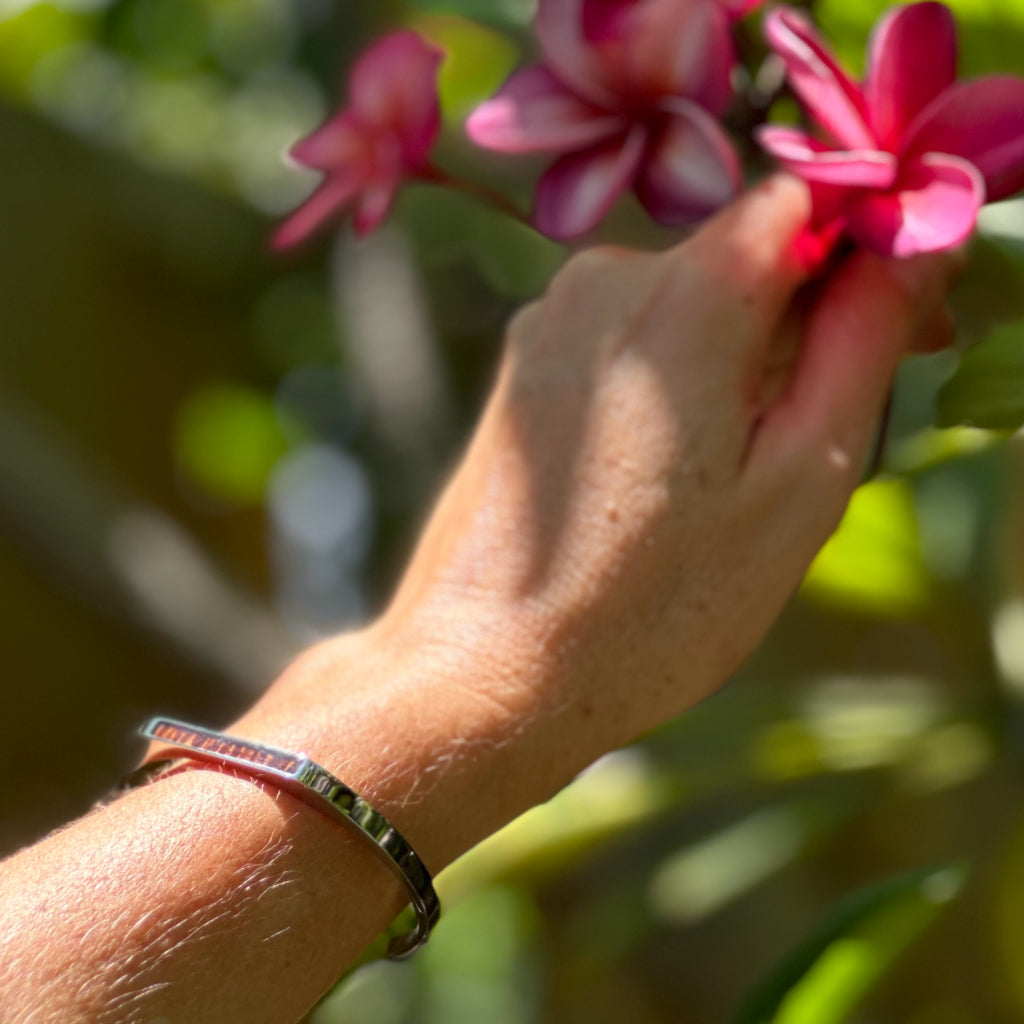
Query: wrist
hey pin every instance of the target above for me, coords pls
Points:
(449, 738)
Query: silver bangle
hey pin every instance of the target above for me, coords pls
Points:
(316, 786)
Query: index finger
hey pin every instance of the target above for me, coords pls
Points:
(754, 245)
(860, 327)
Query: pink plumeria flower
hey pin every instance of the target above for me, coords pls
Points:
(626, 97)
(910, 155)
(382, 138)
(740, 8)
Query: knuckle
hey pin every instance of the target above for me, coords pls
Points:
(586, 268)
(716, 269)
(522, 335)
(742, 267)
(523, 324)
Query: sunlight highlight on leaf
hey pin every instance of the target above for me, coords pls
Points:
(477, 60)
(825, 979)
(873, 564)
(30, 37)
(933, 446)
(466, 980)
(706, 876)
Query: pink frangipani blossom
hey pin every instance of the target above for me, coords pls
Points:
(908, 157)
(626, 96)
(382, 138)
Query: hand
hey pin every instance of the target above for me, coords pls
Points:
(657, 466)
(670, 440)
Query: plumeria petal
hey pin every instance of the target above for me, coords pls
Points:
(827, 225)
(374, 205)
(382, 137)
(911, 59)
(559, 26)
(576, 192)
(827, 203)
(981, 121)
(816, 77)
(710, 82)
(740, 8)
(814, 161)
(618, 53)
(604, 20)
(534, 112)
(393, 87)
(934, 207)
(341, 142)
(668, 48)
(690, 170)
(327, 201)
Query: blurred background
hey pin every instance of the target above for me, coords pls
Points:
(210, 456)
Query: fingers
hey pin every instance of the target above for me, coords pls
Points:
(864, 320)
(935, 332)
(718, 300)
(588, 303)
(753, 247)
(720, 292)
(780, 359)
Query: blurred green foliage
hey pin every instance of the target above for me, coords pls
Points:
(199, 442)
(873, 562)
(824, 979)
(478, 61)
(986, 389)
(227, 440)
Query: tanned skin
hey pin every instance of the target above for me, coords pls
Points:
(670, 439)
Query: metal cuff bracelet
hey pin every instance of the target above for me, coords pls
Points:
(316, 786)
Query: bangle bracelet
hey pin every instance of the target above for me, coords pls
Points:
(316, 786)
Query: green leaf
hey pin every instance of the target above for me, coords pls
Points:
(504, 14)
(824, 979)
(515, 260)
(989, 32)
(477, 61)
(706, 875)
(987, 389)
(872, 563)
(932, 447)
(482, 963)
(988, 295)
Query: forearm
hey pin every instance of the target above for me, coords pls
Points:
(208, 897)
(192, 900)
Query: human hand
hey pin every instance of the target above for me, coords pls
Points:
(670, 440)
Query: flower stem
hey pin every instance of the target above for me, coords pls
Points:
(490, 196)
